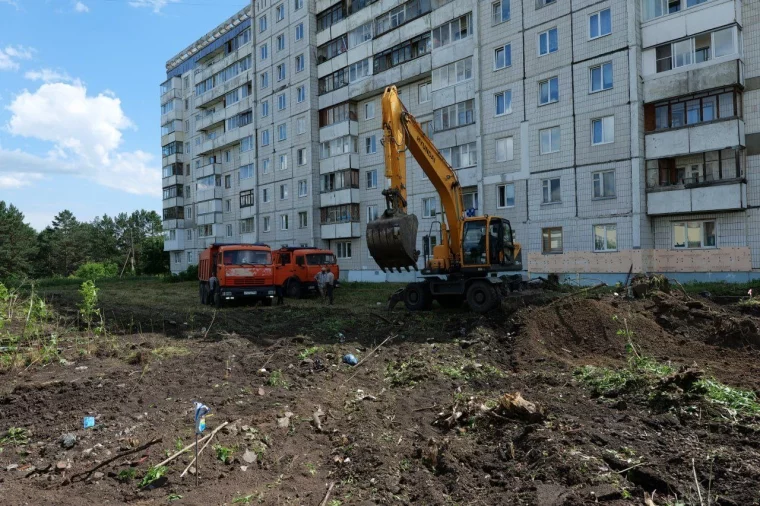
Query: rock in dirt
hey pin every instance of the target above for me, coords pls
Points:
(61, 466)
(250, 457)
(261, 391)
(231, 429)
(244, 468)
(68, 440)
(11, 467)
(514, 406)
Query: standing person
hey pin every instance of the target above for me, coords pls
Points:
(280, 291)
(325, 282)
(329, 284)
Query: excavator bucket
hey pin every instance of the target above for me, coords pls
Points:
(391, 240)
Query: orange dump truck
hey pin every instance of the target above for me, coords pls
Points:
(295, 268)
(236, 271)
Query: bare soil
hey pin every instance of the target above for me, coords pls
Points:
(385, 432)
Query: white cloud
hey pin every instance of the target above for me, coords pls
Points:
(10, 56)
(10, 2)
(80, 7)
(156, 5)
(85, 133)
(48, 76)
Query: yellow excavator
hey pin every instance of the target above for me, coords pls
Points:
(475, 256)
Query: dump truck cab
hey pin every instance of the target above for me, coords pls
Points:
(228, 272)
(296, 267)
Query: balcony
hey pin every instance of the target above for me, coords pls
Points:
(173, 202)
(208, 170)
(209, 194)
(218, 92)
(706, 76)
(688, 20)
(219, 64)
(224, 140)
(174, 114)
(247, 212)
(177, 135)
(699, 138)
(209, 218)
(171, 95)
(169, 224)
(341, 230)
(167, 87)
(340, 197)
(176, 244)
(336, 130)
(208, 120)
(339, 162)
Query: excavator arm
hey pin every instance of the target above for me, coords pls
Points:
(392, 238)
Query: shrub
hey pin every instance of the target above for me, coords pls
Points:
(189, 274)
(95, 270)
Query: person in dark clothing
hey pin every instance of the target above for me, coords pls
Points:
(279, 290)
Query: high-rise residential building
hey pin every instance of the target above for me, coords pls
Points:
(613, 134)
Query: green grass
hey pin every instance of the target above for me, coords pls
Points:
(15, 436)
(223, 453)
(742, 402)
(127, 475)
(719, 288)
(154, 473)
(247, 499)
(276, 379)
(308, 352)
(749, 303)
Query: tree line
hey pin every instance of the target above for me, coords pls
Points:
(128, 244)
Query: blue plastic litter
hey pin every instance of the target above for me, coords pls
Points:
(89, 421)
(350, 359)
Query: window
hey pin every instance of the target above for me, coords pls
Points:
(298, 5)
(401, 53)
(470, 200)
(282, 132)
(189, 234)
(370, 145)
(505, 196)
(452, 73)
(503, 102)
(599, 24)
(334, 81)
(205, 231)
(173, 191)
(247, 199)
(281, 72)
(603, 130)
(265, 108)
(551, 191)
(697, 49)
(369, 110)
(283, 191)
(262, 23)
(300, 126)
(428, 243)
(280, 12)
(332, 49)
(343, 250)
(283, 162)
(360, 35)
(605, 237)
(371, 179)
(694, 235)
(502, 57)
(657, 8)
(265, 137)
(228, 228)
(303, 219)
(423, 93)
(301, 156)
(549, 139)
(264, 51)
(428, 207)
(331, 16)
(228, 181)
(338, 113)
(339, 146)
(547, 42)
(551, 240)
(280, 40)
(454, 116)
(284, 222)
(504, 149)
(604, 184)
(246, 226)
(265, 195)
(500, 11)
(299, 31)
(601, 77)
(176, 213)
(371, 213)
(400, 15)
(177, 257)
(359, 70)
(267, 224)
(299, 63)
(693, 109)
(265, 165)
(173, 148)
(346, 213)
(455, 30)
(462, 156)
(303, 188)
(188, 212)
(227, 156)
(548, 91)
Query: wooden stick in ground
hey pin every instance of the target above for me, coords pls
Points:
(124, 454)
(210, 437)
(365, 358)
(327, 495)
(183, 450)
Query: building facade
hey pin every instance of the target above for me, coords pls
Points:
(613, 134)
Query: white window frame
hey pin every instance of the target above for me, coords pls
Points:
(301, 160)
(300, 126)
(299, 31)
(423, 91)
(285, 221)
(265, 166)
(265, 108)
(283, 162)
(281, 72)
(548, 43)
(371, 179)
(502, 196)
(551, 131)
(280, 42)
(598, 15)
(608, 127)
(228, 230)
(280, 12)
(284, 191)
(685, 224)
(501, 18)
(265, 137)
(546, 191)
(507, 49)
(369, 110)
(282, 132)
(264, 50)
(267, 224)
(300, 63)
(605, 227)
(601, 77)
(298, 4)
(548, 82)
(303, 188)
(562, 241)
(429, 207)
(303, 219)
(507, 107)
(370, 145)
(372, 213)
(265, 195)
(509, 149)
(599, 177)
(343, 249)
(282, 102)
(301, 93)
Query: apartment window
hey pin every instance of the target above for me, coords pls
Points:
(337, 114)
(246, 226)
(283, 191)
(299, 63)
(371, 213)
(264, 80)
(369, 110)
(298, 5)
(173, 148)
(169, 106)
(174, 169)
(265, 195)
(245, 172)
(303, 219)
(176, 213)
(504, 149)
(301, 156)
(604, 184)
(339, 146)
(452, 31)
(265, 166)
(603, 130)
(656, 8)
(247, 199)
(428, 243)
(605, 237)
(332, 49)
(347, 213)
(267, 224)
(205, 231)
(370, 146)
(299, 31)
(502, 57)
(246, 144)
(265, 137)
(177, 257)
(262, 23)
(697, 49)
(400, 15)
(429, 207)
(283, 162)
(188, 213)
(343, 250)
(599, 24)
(282, 132)
(549, 139)
(228, 182)
(227, 156)
(300, 126)
(189, 234)
(264, 51)
(284, 222)
(371, 179)
(505, 196)
(360, 35)
(281, 72)
(280, 12)
(601, 77)
(551, 191)
(423, 94)
(548, 91)
(331, 16)
(693, 109)
(551, 240)
(462, 156)
(340, 180)
(401, 53)
(470, 200)
(359, 70)
(265, 108)
(694, 234)
(500, 11)
(454, 116)
(173, 191)
(548, 42)
(228, 230)
(452, 73)
(280, 42)
(303, 188)
(503, 102)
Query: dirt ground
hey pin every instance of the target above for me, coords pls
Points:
(421, 420)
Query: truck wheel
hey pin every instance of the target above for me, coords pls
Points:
(293, 289)
(481, 297)
(450, 301)
(416, 297)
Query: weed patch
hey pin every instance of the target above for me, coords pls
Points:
(276, 379)
(308, 352)
(153, 475)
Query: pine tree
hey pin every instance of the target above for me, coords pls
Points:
(18, 243)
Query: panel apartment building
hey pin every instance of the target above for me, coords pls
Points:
(611, 133)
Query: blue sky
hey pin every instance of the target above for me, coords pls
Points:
(79, 100)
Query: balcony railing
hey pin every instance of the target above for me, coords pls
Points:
(713, 167)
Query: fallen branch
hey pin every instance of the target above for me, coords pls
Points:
(210, 437)
(579, 292)
(696, 482)
(367, 357)
(632, 467)
(424, 409)
(213, 317)
(327, 495)
(183, 450)
(124, 454)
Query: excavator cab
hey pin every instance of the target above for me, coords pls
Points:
(392, 240)
(488, 242)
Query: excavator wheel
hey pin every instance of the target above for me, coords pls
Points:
(482, 297)
(417, 297)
